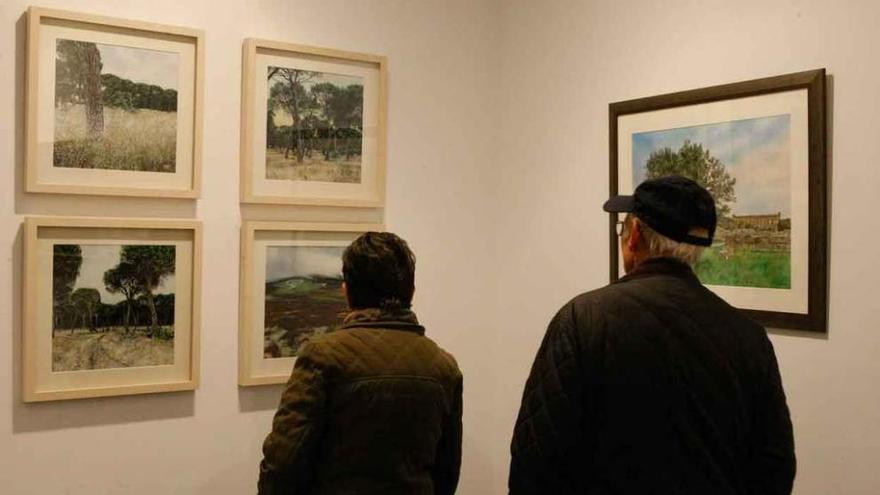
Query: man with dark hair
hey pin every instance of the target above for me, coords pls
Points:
(375, 406)
(654, 385)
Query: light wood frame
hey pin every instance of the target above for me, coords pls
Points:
(248, 120)
(35, 17)
(30, 298)
(815, 319)
(246, 375)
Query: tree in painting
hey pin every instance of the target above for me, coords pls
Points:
(85, 302)
(115, 107)
(314, 126)
(696, 163)
(122, 279)
(115, 305)
(150, 265)
(67, 260)
(78, 72)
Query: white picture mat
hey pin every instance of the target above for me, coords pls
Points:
(262, 366)
(794, 103)
(47, 380)
(368, 188)
(182, 177)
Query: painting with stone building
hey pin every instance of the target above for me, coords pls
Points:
(745, 165)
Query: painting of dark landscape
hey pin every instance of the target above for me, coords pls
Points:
(303, 296)
(314, 126)
(113, 306)
(115, 107)
(746, 166)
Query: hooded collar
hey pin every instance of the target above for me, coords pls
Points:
(394, 319)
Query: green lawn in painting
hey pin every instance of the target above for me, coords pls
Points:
(745, 268)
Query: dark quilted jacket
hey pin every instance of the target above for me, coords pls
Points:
(653, 385)
(372, 408)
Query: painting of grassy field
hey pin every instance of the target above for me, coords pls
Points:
(314, 126)
(136, 140)
(303, 296)
(745, 268)
(113, 306)
(115, 108)
(745, 165)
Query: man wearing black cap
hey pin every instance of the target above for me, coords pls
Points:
(653, 384)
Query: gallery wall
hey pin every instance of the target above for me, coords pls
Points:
(497, 167)
(565, 61)
(208, 442)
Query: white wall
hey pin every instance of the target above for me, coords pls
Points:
(497, 170)
(208, 442)
(565, 61)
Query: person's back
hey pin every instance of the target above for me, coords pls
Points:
(371, 408)
(653, 385)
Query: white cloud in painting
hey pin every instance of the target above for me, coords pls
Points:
(96, 260)
(763, 183)
(141, 65)
(303, 261)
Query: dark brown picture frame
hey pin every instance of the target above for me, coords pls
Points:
(815, 319)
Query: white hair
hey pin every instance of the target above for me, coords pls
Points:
(661, 246)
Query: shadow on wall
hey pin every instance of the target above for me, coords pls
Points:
(261, 398)
(59, 415)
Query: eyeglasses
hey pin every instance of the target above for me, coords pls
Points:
(619, 227)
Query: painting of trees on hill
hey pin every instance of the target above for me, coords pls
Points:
(314, 126)
(745, 165)
(115, 107)
(112, 306)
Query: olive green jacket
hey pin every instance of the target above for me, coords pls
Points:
(372, 408)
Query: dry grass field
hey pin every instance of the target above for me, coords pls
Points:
(84, 350)
(313, 168)
(134, 140)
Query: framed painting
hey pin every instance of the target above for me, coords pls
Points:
(759, 148)
(291, 289)
(111, 307)
(114, 107)
(313, 126)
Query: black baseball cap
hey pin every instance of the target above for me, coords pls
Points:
(674, 206)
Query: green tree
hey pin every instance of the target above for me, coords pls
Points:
(78, 80)
(151, 265)
(66, 262)
(123, 279)
(695, 163)
(86, 302)
(289, 92)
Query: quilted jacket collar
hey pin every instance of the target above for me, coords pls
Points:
(661, 266)
(397, 319)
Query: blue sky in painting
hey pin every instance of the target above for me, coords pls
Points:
(755, 151)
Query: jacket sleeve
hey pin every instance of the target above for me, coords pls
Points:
(773, 456)
(548, 445)
(288, 450)
(448, 461)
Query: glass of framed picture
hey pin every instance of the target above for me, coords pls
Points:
(111, 307)
(114, 107)
(291, 289)
(759, 148)
(313, 126)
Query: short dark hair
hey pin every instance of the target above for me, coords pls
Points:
(379, 271)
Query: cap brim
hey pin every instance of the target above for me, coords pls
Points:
(619, 204)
